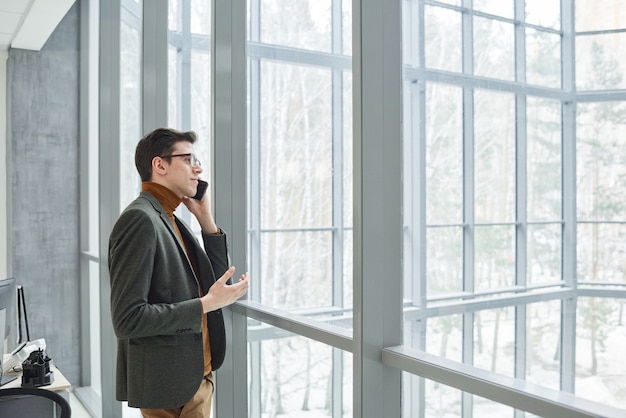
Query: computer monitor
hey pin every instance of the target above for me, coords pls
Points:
(8, 302)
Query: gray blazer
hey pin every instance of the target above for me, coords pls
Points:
(155, 306)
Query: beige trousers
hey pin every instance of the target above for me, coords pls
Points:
(198, 407)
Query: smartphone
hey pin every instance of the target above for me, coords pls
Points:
(202, 186)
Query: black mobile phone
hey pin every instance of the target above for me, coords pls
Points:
(202, 186)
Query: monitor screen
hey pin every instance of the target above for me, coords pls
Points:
(8, 302)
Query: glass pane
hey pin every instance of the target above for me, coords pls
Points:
(442, 36)
(494, 49)
(495, 257)
(447, 402)
(600, 161)
(441, 400)
(600, 341)
(444, 248)
(494, 340)
(173, 75)
(301, 24)
(130, 110)
(444, 336)
(543, 323)
(347, 26)
(601, 61)
(544, 13)
(296, 156)
(174, 20)
(201, 17)
(600, 15)
(543, 58)
(199, 102)
(544, 253)
(494, 156)
(488, 408)
(601, 255)
(502, 8)
(444, 154)
(297, 269)
(293, 376)
(544, 159)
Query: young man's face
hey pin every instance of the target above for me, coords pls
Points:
(183, 170)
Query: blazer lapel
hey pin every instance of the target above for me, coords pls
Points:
(168, 224)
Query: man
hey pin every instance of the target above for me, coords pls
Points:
(165, 299)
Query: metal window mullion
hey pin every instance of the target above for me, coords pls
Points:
(568, 306)
(414, 184)
(468, 235)
(338, 235)
(468, 155)
(298, 56)
(418, 240)
(417, 169)
(468, 195)
(569, 145)
(254, 237)
(87, 74)
(228, 105)
(521, 346)
(154, 65)
(337, 161)
(521, 193)
(109, 190)
(521, 237)
(254, 240)
(377, 91)
(521, 190)
(468, 80)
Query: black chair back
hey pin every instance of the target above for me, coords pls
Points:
(33, 402)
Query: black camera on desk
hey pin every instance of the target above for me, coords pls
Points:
(36, 370)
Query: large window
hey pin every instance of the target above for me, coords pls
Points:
(490, 129)
(496, 137)
(300, 176)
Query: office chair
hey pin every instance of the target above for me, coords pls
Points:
(33, 402)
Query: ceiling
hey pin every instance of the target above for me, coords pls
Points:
(27, 24)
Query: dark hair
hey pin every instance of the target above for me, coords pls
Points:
(158, 143)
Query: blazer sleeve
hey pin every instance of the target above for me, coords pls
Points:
(216, 248)
(142, 303)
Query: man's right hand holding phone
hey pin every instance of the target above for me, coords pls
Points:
(201, 208)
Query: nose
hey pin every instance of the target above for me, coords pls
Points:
(197, 168)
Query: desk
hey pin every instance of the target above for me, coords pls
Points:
(60, 384)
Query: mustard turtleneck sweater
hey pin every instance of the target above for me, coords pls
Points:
(170, 201)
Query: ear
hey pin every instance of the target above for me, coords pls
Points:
(158, 166)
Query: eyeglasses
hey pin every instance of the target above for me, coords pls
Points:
(190, 159)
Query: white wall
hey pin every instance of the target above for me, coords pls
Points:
(4, 55)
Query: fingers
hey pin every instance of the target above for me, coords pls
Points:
(243, 283)
(190, 202)
(241, 287)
